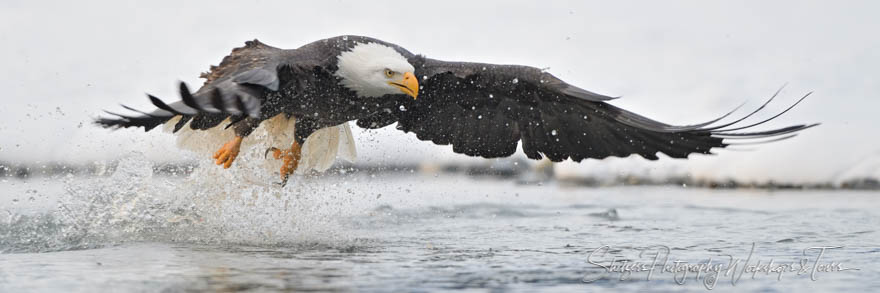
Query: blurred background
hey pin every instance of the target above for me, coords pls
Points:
(679, 62)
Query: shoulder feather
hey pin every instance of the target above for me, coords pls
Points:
(253, 53)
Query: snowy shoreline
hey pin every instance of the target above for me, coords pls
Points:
(521, 173)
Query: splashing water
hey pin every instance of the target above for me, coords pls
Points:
(213, 205)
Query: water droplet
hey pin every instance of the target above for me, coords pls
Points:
(553, 132)
(585, 117)
(402, 108)
(473, 107)
(515, 80)
(345, 38)
(479, 116)
(491, 96)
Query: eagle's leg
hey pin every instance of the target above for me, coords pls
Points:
(290, 158)
(227, 153)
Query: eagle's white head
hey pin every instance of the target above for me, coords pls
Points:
(375, 70)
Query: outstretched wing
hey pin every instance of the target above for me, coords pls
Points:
(236, 88)
(485, 110)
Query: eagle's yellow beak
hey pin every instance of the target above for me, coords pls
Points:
(408, 85)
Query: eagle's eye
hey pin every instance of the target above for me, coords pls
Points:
(389, 73)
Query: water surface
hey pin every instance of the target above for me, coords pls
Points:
(232, 230)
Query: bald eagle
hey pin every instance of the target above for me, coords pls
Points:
(482, 110)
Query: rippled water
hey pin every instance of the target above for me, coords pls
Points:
(232, 230)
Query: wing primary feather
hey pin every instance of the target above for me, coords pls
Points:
(161, 105)
(698, 126)
(764, 141)
(707, 123)
(148, 122)
(187, 97)
(239, 103)
(137, 111)
(119, 115)
(217, 100)
(752, 113)
(771, 118)
(769, 133)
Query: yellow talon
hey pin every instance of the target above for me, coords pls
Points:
(228, 152)
(290, 159)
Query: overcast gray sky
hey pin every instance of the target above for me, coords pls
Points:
(676, 61)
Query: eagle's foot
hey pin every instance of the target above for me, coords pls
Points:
(227, 153)
(290, 160)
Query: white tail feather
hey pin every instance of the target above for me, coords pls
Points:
(347, 150)
(319, 151)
